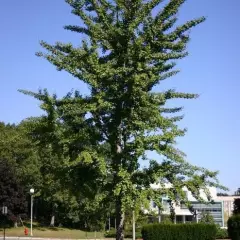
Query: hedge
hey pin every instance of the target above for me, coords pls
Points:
(234, 227)
(127, 234)
(191, 231)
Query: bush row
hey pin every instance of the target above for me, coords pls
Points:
(220, 234)
(193, 231)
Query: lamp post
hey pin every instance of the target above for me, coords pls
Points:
(4, 212)
(31, 193)
(133, 226)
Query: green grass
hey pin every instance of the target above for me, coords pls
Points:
(53, 233)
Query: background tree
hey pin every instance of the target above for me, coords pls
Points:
(129, 48)
(11, 192)
(222, 194)
(19, 150)
(237, 193)
(34, 167)
(21, 156)
(30, 149)
(236, 206)
(66, 166)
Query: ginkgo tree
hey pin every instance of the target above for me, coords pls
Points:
(127, 48)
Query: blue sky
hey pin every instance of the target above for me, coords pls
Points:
(212, 70)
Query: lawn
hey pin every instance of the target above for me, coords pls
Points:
(52, 233)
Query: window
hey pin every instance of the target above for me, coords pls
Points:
(189, 218)
(178, 219)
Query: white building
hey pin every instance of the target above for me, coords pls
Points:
(227, 206)
(184, 215)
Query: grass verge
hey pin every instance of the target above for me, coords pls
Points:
(53, 233)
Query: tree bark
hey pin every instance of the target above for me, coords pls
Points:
(52, 222)
(117, 163)
(120, 218)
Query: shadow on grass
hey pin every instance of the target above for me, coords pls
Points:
(54, 228)
(28, 225)
(41, 227)
(48, 228)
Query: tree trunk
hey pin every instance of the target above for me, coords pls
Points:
(52, 223)
(16, 224)
(117, 163)
(21, 221)
(120, 217)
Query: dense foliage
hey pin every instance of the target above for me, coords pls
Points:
(234, 227)
(192, 231)
(20, 151)
(222, 233)
(35, 165)
(236, 206)
(11, 192)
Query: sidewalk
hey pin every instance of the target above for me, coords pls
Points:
(38, 238)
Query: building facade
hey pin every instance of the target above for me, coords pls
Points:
(183, 215)
(227, 206)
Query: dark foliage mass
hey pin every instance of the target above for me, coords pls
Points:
(234, 227)
(11, 191)
(236, 206)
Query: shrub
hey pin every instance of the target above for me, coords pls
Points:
(110, 234)
(221, 233)
(234, 227)
(167, 220)
(191, 231)
(207, 218)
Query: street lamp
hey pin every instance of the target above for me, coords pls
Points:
(31, 193)
(4, 212)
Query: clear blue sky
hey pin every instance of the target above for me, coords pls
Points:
(212, 70)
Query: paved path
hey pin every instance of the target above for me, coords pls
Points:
(36, 238)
